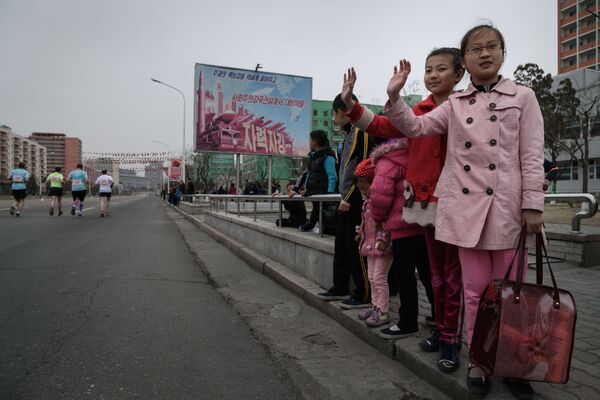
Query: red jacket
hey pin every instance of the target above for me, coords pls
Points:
(386, 198)
(426, 156)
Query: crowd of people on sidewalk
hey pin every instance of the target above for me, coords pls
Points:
(444, 188)
(79, 183)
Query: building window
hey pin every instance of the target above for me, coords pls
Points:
(325, 113)
(326, 123)
(315, 112)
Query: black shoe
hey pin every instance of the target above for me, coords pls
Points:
(432, 343)
(60, 213)
(331, 295)
(448, 361)
(51, 212)
(522, 390)
(73, 210)
(478, 386)
(306, 227)
(352, 304)
(395, 332)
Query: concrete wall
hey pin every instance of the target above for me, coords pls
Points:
(306, 254)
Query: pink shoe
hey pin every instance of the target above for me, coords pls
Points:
(366, 313)
(378, 319)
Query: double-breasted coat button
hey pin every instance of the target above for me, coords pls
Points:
(490, 191)
(469, 120)
(492, 105)
(493, 118)
(492, 167)
(467, 167)
(465, 191)
(493, 142)
(472, 101)
(468, 145)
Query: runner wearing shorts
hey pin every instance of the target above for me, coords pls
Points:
(18, 178)
(56, 180)
(79, 180)
(105, 182)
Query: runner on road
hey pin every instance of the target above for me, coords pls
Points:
(56, 180)
(105, 182)
(79, 181)
(18, 177)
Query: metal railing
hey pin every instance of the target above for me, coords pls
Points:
(214, 200)
(591, 201)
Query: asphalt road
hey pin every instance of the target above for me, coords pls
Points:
(117, 308)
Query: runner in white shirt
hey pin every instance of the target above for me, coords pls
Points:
(105, 182)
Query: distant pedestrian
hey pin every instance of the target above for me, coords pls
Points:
(57, 181)
(105, 182)
(232, 189)
(297, 209)
(18, 178)
(79, 181)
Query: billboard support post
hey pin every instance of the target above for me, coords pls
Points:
(237, 173)
(270, 172)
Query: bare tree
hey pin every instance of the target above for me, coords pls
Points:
(202, 170)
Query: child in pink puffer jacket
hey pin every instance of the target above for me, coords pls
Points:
(374, 243)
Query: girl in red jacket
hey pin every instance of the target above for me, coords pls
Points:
(443, 70)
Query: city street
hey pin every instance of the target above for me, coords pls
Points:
(123, 308)
(116, 308)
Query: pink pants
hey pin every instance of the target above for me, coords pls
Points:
(479, 268)
(378, 269)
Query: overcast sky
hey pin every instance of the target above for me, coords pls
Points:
(83, 67)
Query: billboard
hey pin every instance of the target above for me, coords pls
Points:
(248, 112)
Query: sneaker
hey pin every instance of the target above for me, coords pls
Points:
(306, 227)
(352, 304)
(395, 332)
(448, 361)
(522, 390)
(432, 343)
(478, 386)
(430, 321)
(73, 210)
(101, 215)
(51, 211)
(12, 210)
(60, 213)
(18, 214)
(378, 319)
(79, 214)
(331, 295)
(366, 313)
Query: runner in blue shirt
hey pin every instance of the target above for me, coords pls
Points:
(18, 178)
(79, 180)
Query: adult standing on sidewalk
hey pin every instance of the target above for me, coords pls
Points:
(347, 261)
(56, 180)
(105, 182)
(18, 178)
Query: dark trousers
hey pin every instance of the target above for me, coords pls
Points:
(347, 261)
(411, 253)
(314, 214)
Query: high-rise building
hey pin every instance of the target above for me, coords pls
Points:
(578, 34)
(63, 151)
(15, 149)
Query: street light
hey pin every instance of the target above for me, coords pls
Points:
(183, 97)
(162, 177)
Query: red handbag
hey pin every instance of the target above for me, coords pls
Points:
(525, 331)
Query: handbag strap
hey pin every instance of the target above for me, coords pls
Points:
(556, 295)
(518, 253)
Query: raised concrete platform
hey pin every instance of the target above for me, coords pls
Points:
(582, 249)
(585, 378)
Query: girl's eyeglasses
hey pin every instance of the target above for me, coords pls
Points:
(492, 48)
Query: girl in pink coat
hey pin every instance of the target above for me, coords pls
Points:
(374, 243)
(492, 182)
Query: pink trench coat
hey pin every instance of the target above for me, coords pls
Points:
(494, 162)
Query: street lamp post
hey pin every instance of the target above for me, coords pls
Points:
(183, 97)
(162, 176)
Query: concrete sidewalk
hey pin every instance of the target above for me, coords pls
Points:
(584, 283)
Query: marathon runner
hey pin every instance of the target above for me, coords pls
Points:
(105, 182)
(18, 177)
(79, 180)
(56, 180)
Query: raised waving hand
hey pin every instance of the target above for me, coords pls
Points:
(349, 81)
(398, 80)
